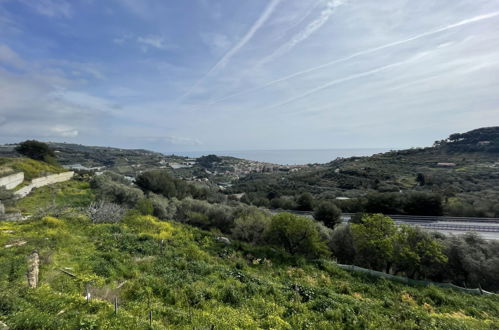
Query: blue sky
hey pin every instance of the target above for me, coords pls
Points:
(247, 74)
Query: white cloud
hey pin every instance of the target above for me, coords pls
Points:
(50, 8)
(146, 42)
(64, 131)
(217, 42)
(9, 57)
(154, 41)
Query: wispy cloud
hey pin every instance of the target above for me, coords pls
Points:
(51, 8)
(237, 47)
(154, 41)
(217, 42)
(304, 34)
(345, 79)
(9, 57)
(361, 53)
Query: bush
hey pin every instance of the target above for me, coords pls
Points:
(162, 207)
(105, 212)
(341, 243)
(159, 182)
(298, 235)
(206, 215)
(328, 213)
(112, 189)
(145, 207)
(373, 241)
(305, 202)
(251, 227)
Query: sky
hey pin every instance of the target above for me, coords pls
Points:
(200, 75)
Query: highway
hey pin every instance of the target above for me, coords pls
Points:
(488, 228)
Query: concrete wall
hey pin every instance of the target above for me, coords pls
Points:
(12, 181)
(44, 181)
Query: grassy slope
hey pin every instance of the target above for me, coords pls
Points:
(31, 168)
(188, 280)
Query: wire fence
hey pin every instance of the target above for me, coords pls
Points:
(410, 281)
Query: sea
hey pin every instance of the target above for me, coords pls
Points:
(290, 156)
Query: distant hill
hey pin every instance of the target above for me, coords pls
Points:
(463, 170)
(484, 139)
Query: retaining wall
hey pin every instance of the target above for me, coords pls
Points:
(12, 181)
(44, 181)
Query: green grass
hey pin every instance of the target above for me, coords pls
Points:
(74, 194)
(189, 280)
(31, 168)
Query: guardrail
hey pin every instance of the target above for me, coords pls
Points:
(428, 222)
(441, 226)
(440, 218)
(415, 218)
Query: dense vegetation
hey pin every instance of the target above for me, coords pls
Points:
(190, 278)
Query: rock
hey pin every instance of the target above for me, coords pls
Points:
(33, 269)
(2, 209)
(224, 240)
(16, 243)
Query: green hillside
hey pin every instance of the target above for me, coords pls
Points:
(189, 279)
(461, 170)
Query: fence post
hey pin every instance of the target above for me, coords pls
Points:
(115, 305)
(150, 319)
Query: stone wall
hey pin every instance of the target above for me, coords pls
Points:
(12, 181)
(44, 181)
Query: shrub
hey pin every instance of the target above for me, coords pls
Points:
(105, 212)
(416, 253)
(373, 241)
(52, 222)
(162, 207)
(341, 243)
(251, 227)
(305, 202)
(111, 189)
(145, 207)
(328, 213)
(298, 235)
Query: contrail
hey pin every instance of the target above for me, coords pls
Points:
(345, 79)
(247, 37)
(361, 53)
(306, 32)
(300, 20)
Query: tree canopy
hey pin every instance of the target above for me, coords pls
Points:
(37, 150)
